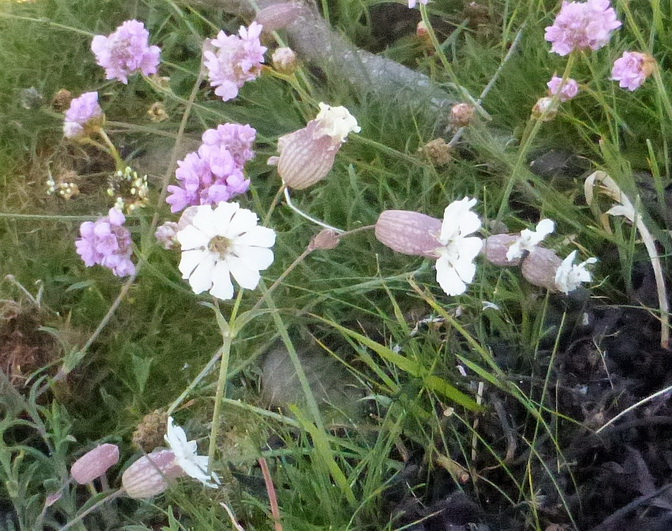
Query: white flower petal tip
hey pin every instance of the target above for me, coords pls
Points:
(221, 242)
(529, 239)
(455, 266)
(569, 277)
(186, 456)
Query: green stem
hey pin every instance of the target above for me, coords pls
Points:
(221, 387)
(531, 130)
(112, 150)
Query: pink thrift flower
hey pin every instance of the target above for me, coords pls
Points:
(580, 26)
(238, 139)
(632, 69)
(206, 177)
(126, 51)
(231, 60)
(566, 91)
(83, 115)
(94, 463)
(107, 243)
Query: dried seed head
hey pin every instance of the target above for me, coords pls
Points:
(409, 232)
(284, 61)
(422, 33)
(149, 434)
(461, 114)
(61, 100)
(497, 246)
(95, 463)
(437, 151)
(157, 112)
(151, 474)
(324, 241)
(540, 266)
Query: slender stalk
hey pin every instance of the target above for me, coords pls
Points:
(272, 497)
(112, 150)
(309, 218)
(94, 507)
(219, 394)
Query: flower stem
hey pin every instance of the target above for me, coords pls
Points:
(227, 339)
(95, 506)
(309, 218)
(112, 150)
(531, 130)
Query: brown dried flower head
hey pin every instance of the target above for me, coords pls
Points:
(284, 61)
(149, 434)
(157, 112)
(324, 241)
(462, 114)
(437, 151)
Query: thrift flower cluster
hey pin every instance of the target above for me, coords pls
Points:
(107, 243)
(126, 51)
(632, 69)
(83, 116)
(580, 26)
(214, 173)
(233, 60)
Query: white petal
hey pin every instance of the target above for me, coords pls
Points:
(242, 221)
(469, 247)
(223, 214)
(466, 269)
(448, 278)
(257, 236)
(222, 288)
(201, 279)
(545, 227)
(189, 261)
(205, 221)
(246, 276)
(254, 257)
(192, 238)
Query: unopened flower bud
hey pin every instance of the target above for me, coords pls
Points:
(422, 33)
(284, 61)
(540, 266)
(497, 246)
(151, 474)
(545, 109)
(165, 235)
(324, 241)
(461, 114)
(278, 16)
(438, 151)
(409, 232)
(95, 463)
(61, 100)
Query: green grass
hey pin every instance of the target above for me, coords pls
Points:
(360, 302)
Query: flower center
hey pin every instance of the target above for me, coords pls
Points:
(220, 245)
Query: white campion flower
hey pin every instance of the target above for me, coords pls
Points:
(455, 266)
(568, 276)
(223, 242)
(306, 156)
(194, 465)
(529, 239)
